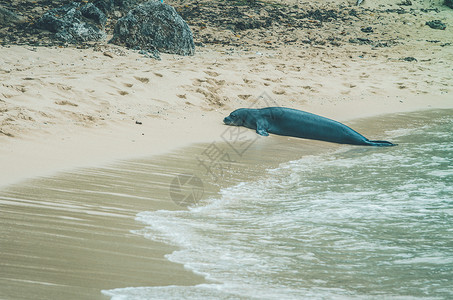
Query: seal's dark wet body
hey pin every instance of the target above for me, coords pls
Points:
(297, 123)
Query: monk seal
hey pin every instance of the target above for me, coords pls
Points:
(297, 123)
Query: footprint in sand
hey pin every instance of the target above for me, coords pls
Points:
(62, 87)
(215, 82)
(212, 73)
(142, 79)
(311, 89)
(401, 85)
(65, 102)
(244, 97)
(349, 85)
(198, 82)
(279, 91)
(364, 75)
(211, 88)
(275, 80)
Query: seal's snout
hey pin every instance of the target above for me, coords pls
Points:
(233, 119)
(227, 121)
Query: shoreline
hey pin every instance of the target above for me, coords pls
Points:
(47, 155)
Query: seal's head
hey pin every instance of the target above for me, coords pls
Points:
(236, 118)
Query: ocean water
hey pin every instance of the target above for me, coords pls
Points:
(354, 223)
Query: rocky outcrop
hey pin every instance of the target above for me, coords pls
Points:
(7, 17)
(106, 6)
(154, 25)
(109, 6)
(75, 23)
(92, 12)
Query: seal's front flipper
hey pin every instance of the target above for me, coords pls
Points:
(262, 132)
(261, 128)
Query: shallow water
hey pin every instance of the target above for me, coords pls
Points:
(355, 222)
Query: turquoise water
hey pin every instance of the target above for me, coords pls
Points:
(358, 222)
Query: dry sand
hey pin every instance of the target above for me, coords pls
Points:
(63, 107)
(66, 108)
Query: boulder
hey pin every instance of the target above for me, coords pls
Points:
(125, 3)
(108, 6)
(91, 11)
(154, 25)
(7, 17)
(74, 23)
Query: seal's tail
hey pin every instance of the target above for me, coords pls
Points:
(380, 143)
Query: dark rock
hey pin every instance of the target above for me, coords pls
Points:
(405, 3)
(436, 24)
(7, 17)
(361, 41)
(92, 12)
(125, 3)
(353, 12)
(322, 15)
(150, 53)
(249, 23)
(154, 25)
(449, 3)
(428, 10)
(409, 58)
(106, 6)
(74, 23)
(399, 11)
(381, 44)
(367, 29)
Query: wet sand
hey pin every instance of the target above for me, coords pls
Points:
(69, 236)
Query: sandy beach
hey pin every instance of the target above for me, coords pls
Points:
(65, 110)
